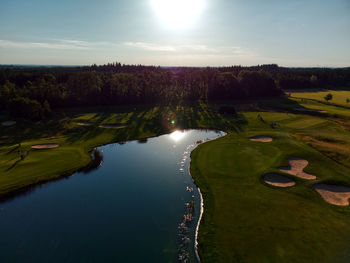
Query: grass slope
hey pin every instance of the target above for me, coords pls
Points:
(246, 220)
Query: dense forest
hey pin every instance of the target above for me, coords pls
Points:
(32, 92)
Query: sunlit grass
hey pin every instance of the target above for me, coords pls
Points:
(339, 96)
(247, 221)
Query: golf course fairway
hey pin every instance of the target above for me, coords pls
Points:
(247, 220)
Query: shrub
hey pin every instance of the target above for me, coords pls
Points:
(328, 97)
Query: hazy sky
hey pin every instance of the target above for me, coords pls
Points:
(175, 32)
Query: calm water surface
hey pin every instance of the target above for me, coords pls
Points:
(128, 210)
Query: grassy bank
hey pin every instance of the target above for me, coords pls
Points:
(246, 220)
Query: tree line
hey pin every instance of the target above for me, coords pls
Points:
(32, 92)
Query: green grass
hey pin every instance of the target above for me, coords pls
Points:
(331, 110)
(339, 96)
(247, 220)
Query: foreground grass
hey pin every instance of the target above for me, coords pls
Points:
(246, 220)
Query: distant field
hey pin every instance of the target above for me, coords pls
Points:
(339, 97)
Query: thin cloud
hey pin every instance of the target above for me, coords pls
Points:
(170, 48)
(189, 54)
(58, 45)
(239, 51)
(73, 42)
(150, 46)
(201, 48)
(193, 49)
(81, 43)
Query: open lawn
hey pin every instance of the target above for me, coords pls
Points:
(339, 96)
(327, 109)
(246, 220)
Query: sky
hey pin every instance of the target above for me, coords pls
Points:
(298, 33)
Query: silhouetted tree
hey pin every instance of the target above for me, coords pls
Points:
(328, 97)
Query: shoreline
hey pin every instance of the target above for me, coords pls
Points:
(11, 195)
(200, 196)
(22, 191)
(26, 189)
(198, 224)
(19, 191)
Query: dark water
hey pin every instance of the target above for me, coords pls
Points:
(128, 210)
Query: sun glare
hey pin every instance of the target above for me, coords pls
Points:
(178, 13)
(177, 135)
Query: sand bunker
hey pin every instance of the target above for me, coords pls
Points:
(310, 110)
(296, 168)
(334, 194)
(8, 123)
(84, 124)
(278, 180)
(261, 139)
(45, 146)
(112, 126)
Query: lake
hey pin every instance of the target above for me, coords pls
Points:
(130, 209)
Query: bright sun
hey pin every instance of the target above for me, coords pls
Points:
(178, 13)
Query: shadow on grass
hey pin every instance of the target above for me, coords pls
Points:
(14, 149)
(13, 165)
(285, 104)
(148, 121)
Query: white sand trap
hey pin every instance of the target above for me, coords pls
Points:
(261, 139)
(112, 126)
(45, 146)
(296, 168)
(84, 124)
(334, 194)
(8, 123)
(278, 180)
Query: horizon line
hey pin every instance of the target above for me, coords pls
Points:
(144, 65)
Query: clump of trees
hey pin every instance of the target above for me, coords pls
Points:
(29, 109)
(258, 83)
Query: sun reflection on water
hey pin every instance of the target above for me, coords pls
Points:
(177, 135)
